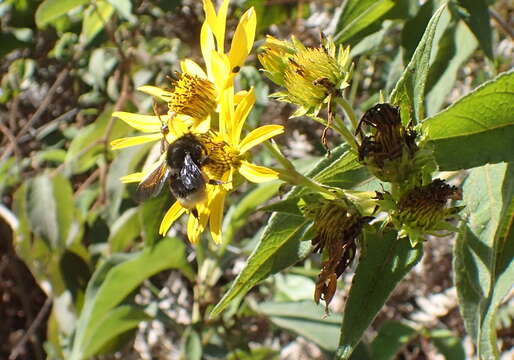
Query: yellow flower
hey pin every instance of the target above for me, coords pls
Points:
(194, 96)
(229, 150)
(196, 93)
(222, 67)
(226, 154)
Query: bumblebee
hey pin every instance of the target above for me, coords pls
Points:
(182, 168)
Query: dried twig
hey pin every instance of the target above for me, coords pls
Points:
(12, 139)
(17, 350)
(502, 23)
(46, 101)
(40, 110)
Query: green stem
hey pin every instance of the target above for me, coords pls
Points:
(347, 108)
(289, 174)
(345, 133)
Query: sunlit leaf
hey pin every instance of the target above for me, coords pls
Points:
(115, 279)
(384, 261)
(357, 15)
(50, 10)
(304, 318)
(477, 129)
(484, 252)
(409, 92)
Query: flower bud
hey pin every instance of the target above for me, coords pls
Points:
(309, 75)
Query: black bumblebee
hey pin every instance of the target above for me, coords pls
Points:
(182, 166)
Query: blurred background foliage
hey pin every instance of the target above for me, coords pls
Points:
(85, 273)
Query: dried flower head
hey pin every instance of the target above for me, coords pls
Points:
(424, 210)
(338, 225)
(390, 149)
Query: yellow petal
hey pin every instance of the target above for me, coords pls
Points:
(242, 41)
(132, 178)
(155, 91)
(216, 22)
(210, 14)
(178, 127)
(256, 173)
(226, 112)
(243, 109)
(259, 135)
(134, 140)
(195, 226)
(207, 46)
(216, 217)
(221, 24)
(144, 123)
(239, 96)
(220, 69)
(190, 67)
(173, 213)
(202, 126)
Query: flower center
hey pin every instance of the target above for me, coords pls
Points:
(221, 157)
(192, 96)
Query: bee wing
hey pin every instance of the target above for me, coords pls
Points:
(152, 184)
(191, 175)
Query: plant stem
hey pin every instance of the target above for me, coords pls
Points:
(347, 108)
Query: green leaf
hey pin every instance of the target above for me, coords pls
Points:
(409, 92)
(193, 346)
(280, 246)
(50, 10)
(87, 146)
(484, 252)
(115, 279)
(115, 323)
(476, 15)
(454, 49)
(449, 345)
(237, 216)
(281, 243)
(126, 162)
(304, 318)
(358, 15)
(51, 210)
(124, 230)
(150, 223)
(384, 261)
(95, 18)
(391, 337)
(477, 129)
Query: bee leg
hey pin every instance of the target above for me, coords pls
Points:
(195, 213)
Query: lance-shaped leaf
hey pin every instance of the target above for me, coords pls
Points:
(305, 318)
(477, 129)
(357, 15)
(409, 92)
(385, 260)
(484, 252)
(112, 282)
